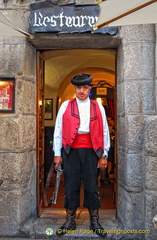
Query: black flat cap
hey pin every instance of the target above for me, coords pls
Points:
(81, 79)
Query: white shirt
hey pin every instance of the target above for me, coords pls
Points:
(84, 112)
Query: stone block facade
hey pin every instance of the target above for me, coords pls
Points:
(18, 130)
(136, 123)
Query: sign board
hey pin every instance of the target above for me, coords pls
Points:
(101, 91)
(7, 94)
(49, 17)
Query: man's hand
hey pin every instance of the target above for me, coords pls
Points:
(102, 163)
(57, 161)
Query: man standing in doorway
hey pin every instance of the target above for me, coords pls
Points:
(81, 144)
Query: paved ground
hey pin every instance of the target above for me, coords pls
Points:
(73, 238)
(46, 226)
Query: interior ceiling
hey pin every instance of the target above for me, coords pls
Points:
(62, 65)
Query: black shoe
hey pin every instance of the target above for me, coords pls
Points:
(69, 224)
(95, 225)
(63, 229)
(98, 229)
(100, 232)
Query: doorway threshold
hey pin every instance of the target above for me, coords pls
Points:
(81, 214)
(54, 218)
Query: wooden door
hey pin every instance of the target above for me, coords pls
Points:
(115, 146)
(40, 130)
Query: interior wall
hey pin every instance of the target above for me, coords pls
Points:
(62, 65)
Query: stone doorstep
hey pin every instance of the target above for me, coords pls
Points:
(69, 238)
(82, 231)
(54, 218)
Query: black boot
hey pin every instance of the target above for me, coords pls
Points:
(94, 224)
(69, 224)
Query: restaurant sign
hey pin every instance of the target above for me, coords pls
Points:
(49, 17)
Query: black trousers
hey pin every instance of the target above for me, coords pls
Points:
(81, 165)
(111, 154)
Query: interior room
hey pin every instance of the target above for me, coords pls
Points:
(60, 67)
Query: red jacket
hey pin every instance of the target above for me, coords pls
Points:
(71, 122)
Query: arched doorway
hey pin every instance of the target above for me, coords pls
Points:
(60, 66)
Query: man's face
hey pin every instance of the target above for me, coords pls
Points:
(82, 92)
(110, 122)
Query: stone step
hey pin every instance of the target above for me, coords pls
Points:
(52, 219)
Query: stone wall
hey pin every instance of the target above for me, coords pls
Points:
(150, 156)
(18, 131)
(137, 127)
(137, 121)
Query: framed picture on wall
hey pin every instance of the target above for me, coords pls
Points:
(101, 91)
(7, 95)
(48, 109)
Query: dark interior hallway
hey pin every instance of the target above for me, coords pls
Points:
(106, 194)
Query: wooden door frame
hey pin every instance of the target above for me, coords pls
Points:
(39, 203)
(40, 130)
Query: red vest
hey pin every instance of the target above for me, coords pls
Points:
(71, 122)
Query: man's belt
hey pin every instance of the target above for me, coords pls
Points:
(82, 141)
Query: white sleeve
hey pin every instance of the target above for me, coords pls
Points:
(106, 130)
(57, 138)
